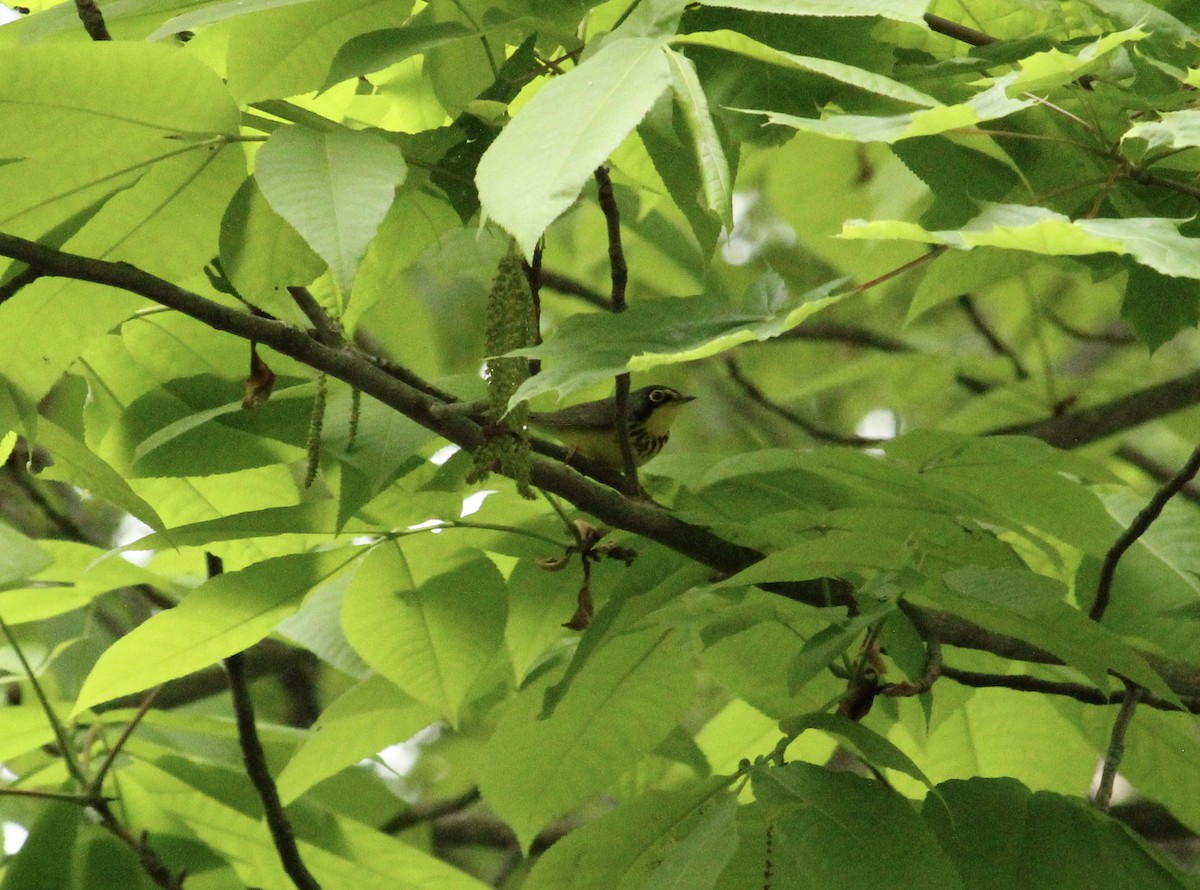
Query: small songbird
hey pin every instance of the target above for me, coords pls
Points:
(590, 428)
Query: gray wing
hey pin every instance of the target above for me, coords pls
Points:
(600, 414)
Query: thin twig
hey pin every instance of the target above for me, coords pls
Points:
(1160, 472)
(326, 328)
(958, 32)
(933, 658)
(93, 19)
(1086, 425)
(565, 284)
(97, 783)
(60, 733)
(924, 258)
(430, 811)
(998, 346)
(1080, 692)
(533, 277)
(760, 398)
(256, 763)
(619, 272)
(151, 863)
(1116, 746)
(1122, 338)
(1137, 528)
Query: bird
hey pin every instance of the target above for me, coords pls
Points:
(590, 428)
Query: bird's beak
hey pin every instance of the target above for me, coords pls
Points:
(686, 399)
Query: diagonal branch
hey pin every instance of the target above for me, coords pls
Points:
(256, 763)
(1087, 425)
(605, 503)
(1137, 528)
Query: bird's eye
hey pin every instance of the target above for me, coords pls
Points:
(658, 395)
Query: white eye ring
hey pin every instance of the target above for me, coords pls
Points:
(658, 395)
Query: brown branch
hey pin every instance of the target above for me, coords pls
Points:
(1086, 425)
(96, 786)
(150, 862)
(1116, 746)
(429, 812)
(325, 327)
(1156, 470)
(998, 346)
(605, 503)
(1137, 528)
(255, 760)
(565, 284)
(619, 272)
(93, 19)
(958, 32)
(848, 334)
(1081, 692)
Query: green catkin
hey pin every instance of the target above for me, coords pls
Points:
(510, 325)
(315, 424)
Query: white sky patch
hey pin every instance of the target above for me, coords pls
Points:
(8, 15)
(878, 423)
(14, 837)
(398, 760)
(444, 454)
(472, 502)
(754, 227)
(129, 530)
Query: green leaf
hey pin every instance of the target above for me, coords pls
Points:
(872, 747)
(20, 557)
(222, 616)
(376, 50)
(1033, 608)
(106, 96)
(361, 857)
(663, 839)
(592, 347)
(735, 42)
(525, 180)
(211, 13)
(1152, 241)
(312, 517)
(45, 858)
(434, 637)
(360, 723)
(899, 10)
(834, 829)
(333, 187)
(1000, 835)
(23, 728)
(714, 168)
(78, 574)
(1051, 68)
(262, 254)
(992, 103)
(624, 701)
(287, 51)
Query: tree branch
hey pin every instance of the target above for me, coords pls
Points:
(93, 19)
(256, 763)
(1087, 425)
(1081, 692)
(1137, 528)
(327, 331)
(957, 32)
(998, 346)
(619, 272)
(1116, 746)
(605, 503)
